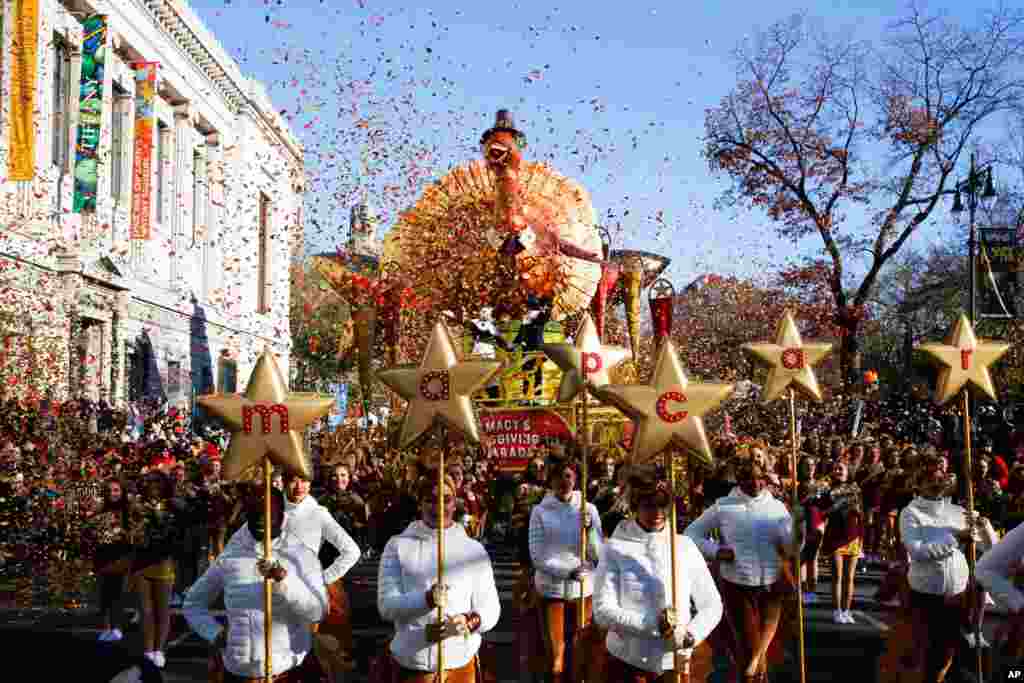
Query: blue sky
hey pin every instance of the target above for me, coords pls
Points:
(613, 94)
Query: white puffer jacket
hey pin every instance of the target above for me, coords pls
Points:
(313, 524)
(633, 586)
(937, 564)
(298, 601)
(995, 567)
(555, 545)
(757, 529)
(408, 568)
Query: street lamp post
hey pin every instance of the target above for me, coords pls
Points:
(978, 186)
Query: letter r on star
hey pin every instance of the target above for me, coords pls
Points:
(964, 359)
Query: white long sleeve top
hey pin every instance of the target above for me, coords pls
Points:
(299, 600)
(633, 586)
(313, 524)
(555, 545)
(408, 568)
(993, 570)
(937, 564)
(756, 528)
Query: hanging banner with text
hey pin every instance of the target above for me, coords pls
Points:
(340, 408)
(90, 113)
(145, 128)
(21, 162)
(516, 435)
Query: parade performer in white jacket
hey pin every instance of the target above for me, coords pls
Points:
(633, 586)
(932, 529)
(1001, 572)
(299, 600)
(561, 577)
(314, 525)
(757, 534)
(408, 594)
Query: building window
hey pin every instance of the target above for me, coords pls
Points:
(173, 378)
(61, 92)
(200, 194)
(117, 133)
(162, 133)
(263, 245)
(227, 376)
(134, 373)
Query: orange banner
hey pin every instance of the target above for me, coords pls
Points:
(21, 163)
(142, 171)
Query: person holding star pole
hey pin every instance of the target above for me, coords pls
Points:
(668, 412)
(964, 360)
(257, 442)
(437, 389)
(585, 364)
(791, 363)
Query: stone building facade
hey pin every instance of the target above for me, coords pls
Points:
(86, 307)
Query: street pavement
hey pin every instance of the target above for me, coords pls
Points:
(830, 649)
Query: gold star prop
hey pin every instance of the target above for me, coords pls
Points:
(964, 358)
(791, 360)
(588, 361)
(266, 396)
(667, 410)
(439, 387)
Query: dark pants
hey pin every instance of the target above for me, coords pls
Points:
(937, 621)
(111, 590)
(307, 672)
(621, 672)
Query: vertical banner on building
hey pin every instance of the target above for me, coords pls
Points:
(21, 163)
(90, 113)
(145, 128)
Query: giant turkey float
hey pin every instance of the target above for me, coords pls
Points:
(509, 253)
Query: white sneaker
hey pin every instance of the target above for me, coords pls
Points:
(848, 618)
(105, 636)
(151, 656)
(115, 635)
(837, 617)
(159, 659)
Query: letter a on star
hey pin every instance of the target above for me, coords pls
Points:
(964, 359)
(439, 387)
(791, 361)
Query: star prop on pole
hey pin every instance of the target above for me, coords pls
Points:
(791, 360)
(668, 409)
(439, 387)
(588, 361)
(265, 396)
(965, 359)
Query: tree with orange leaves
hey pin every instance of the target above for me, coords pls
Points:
(858, 145)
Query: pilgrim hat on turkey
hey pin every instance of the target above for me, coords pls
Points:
(504, 121)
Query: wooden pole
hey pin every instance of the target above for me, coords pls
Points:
(972, 548)
(682, 664)
(796, 559)
(581, 621)
(268, 587)
(440, 556)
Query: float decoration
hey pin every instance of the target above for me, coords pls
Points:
(497, 230)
